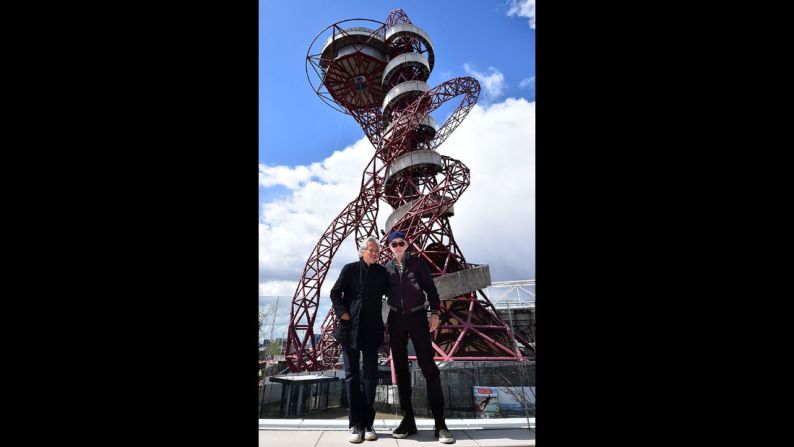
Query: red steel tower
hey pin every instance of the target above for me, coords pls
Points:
(377, 73)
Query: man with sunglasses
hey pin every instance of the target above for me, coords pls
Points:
(410, 281)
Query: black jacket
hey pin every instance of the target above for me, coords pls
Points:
(408, 293)
(365, 327)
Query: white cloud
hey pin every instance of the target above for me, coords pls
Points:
(494, 220)
(282, 288)
(527, 82)
(522, 8)
(333, 170)
(283, 175)
(290, 227)
(493, 84)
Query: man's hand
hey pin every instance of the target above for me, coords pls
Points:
(433, 322)
(345, 316)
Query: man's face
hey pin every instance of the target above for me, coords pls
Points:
(398, 247)
(370, 253)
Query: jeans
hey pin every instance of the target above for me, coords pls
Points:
(415, 326)
(361, 390)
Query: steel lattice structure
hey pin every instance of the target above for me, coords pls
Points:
(377, 74)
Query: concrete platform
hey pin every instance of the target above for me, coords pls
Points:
(507, 432)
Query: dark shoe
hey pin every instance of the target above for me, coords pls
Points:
(444, 436)
(356, 435)
(407, 427)
(369, 434)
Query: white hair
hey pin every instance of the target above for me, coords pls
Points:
(364, 242)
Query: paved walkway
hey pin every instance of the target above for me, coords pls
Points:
(506, 432)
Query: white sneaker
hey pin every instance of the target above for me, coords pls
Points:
(444, 436)
(356, 435)
(369, 434)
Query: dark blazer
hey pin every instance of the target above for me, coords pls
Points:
(408, 293)
(365, 327)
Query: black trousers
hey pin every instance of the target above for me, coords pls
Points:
(415, 326)
(361, 399)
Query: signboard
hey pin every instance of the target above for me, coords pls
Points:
(512, 400)
(486, 402)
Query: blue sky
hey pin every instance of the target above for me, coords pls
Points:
(311, 156)
(296, 127)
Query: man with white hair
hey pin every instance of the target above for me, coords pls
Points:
(357, 298)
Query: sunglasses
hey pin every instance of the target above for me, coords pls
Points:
(398, 244)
